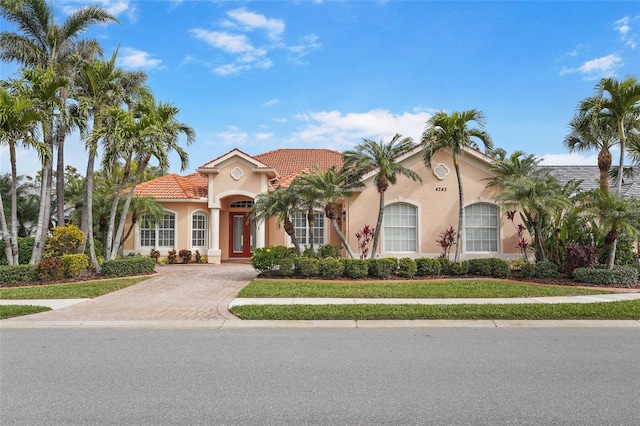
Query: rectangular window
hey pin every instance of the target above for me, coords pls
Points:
(400, 226)
(481, 228)
(299, 221)
(199, 230)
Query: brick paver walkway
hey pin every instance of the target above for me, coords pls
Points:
(177, 293)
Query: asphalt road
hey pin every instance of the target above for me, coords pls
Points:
(320, 377)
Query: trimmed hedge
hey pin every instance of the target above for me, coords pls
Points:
(382, 267)
(307, 266)
(602, 276)
(25, 248)
(426, 266)
(355, 268)
(74, 265)
(133, 265)
(18, 274)
(331, 268)
(407, 267)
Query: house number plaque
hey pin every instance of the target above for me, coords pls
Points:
(441, 188)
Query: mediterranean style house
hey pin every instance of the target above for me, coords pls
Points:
(208, 210)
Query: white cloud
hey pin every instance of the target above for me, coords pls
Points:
(136, 59)
(263, 136)
(569, 159)
(623, 26)
(249, 39)
(114, 7)
(251, 21)
(272, 102)
(233, 136)
(605, 65)
(340, 131)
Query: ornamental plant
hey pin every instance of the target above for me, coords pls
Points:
(523, 243)
(365, 236)
(446, 240)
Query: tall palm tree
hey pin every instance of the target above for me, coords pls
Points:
(18, 120)
(616, 101)
(452, 132)
(151, 130)
(308, 203)
(42, 43)
(380, 159)
(329, 187)
(282, 203)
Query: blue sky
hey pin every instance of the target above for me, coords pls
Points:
(325, 74)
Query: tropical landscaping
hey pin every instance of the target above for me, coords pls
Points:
(64, 224)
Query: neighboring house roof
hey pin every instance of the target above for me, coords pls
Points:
(288, 163)
(590, 176)
(173, 186)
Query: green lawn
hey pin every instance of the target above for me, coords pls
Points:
(627, 310)
(9, 311)
(481, 288)
(76, 290)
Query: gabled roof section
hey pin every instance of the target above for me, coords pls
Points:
(173, 186)
(213, 164)
(291, 162)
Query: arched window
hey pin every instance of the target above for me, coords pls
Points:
(158, 234)
(400, 226)
(299, 220)
(481, 228)
(199, 230)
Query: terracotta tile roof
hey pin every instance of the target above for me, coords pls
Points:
(290, 162)
(173, 186)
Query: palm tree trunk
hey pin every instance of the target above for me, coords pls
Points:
(311, 219)
(109, 240)
(291, 231)
(622, 153)
(87, 212)
(60, 174)
(460, 210)
(612, 254)
(45, 201)
(376, 232)
(336, 228)
(13, 242)
(604, 165)
(5, 235)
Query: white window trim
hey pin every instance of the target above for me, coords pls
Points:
(159, 247)
(324, 232)
(418, 227)
(498, 228)
(206, 230)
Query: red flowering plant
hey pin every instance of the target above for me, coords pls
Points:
(365, 236)
(523, 243)
(446, 240)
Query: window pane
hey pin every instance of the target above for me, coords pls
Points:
(199, 230)
(400, 228)
(481, 229)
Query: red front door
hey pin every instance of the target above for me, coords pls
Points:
(239, 235)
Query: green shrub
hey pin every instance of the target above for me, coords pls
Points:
(355, 268)
(546, 269)
(330, 268)
(407, 267)
(50, 269)
(499, 268)
(135, 265)
(285, 267)
(267, 260)
(528, 270)
(426, 266)
(74, 265)
(518, 263)
(480, 266)
(382, 268)
(454, 268)
(328, 250)
(64, 240)
(307, 266)
(602, 276)
(25, 248)
(18, 274)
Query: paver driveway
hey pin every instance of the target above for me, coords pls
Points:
(177, 292)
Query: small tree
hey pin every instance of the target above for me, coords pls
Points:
(446, 240)
(365, 236)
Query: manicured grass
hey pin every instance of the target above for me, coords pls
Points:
(76, 290)
(9, 311)
(481, 288)
(626, 310)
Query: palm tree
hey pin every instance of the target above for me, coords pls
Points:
(452, 132)
(329, 187)
(380, 159)
(615, 212)
(537, 196)
(308, 203)
(18, 119)
(42, 43)
(590, 130)
(617, 101)
(518, 163)
(149, 131)
(282, 202)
